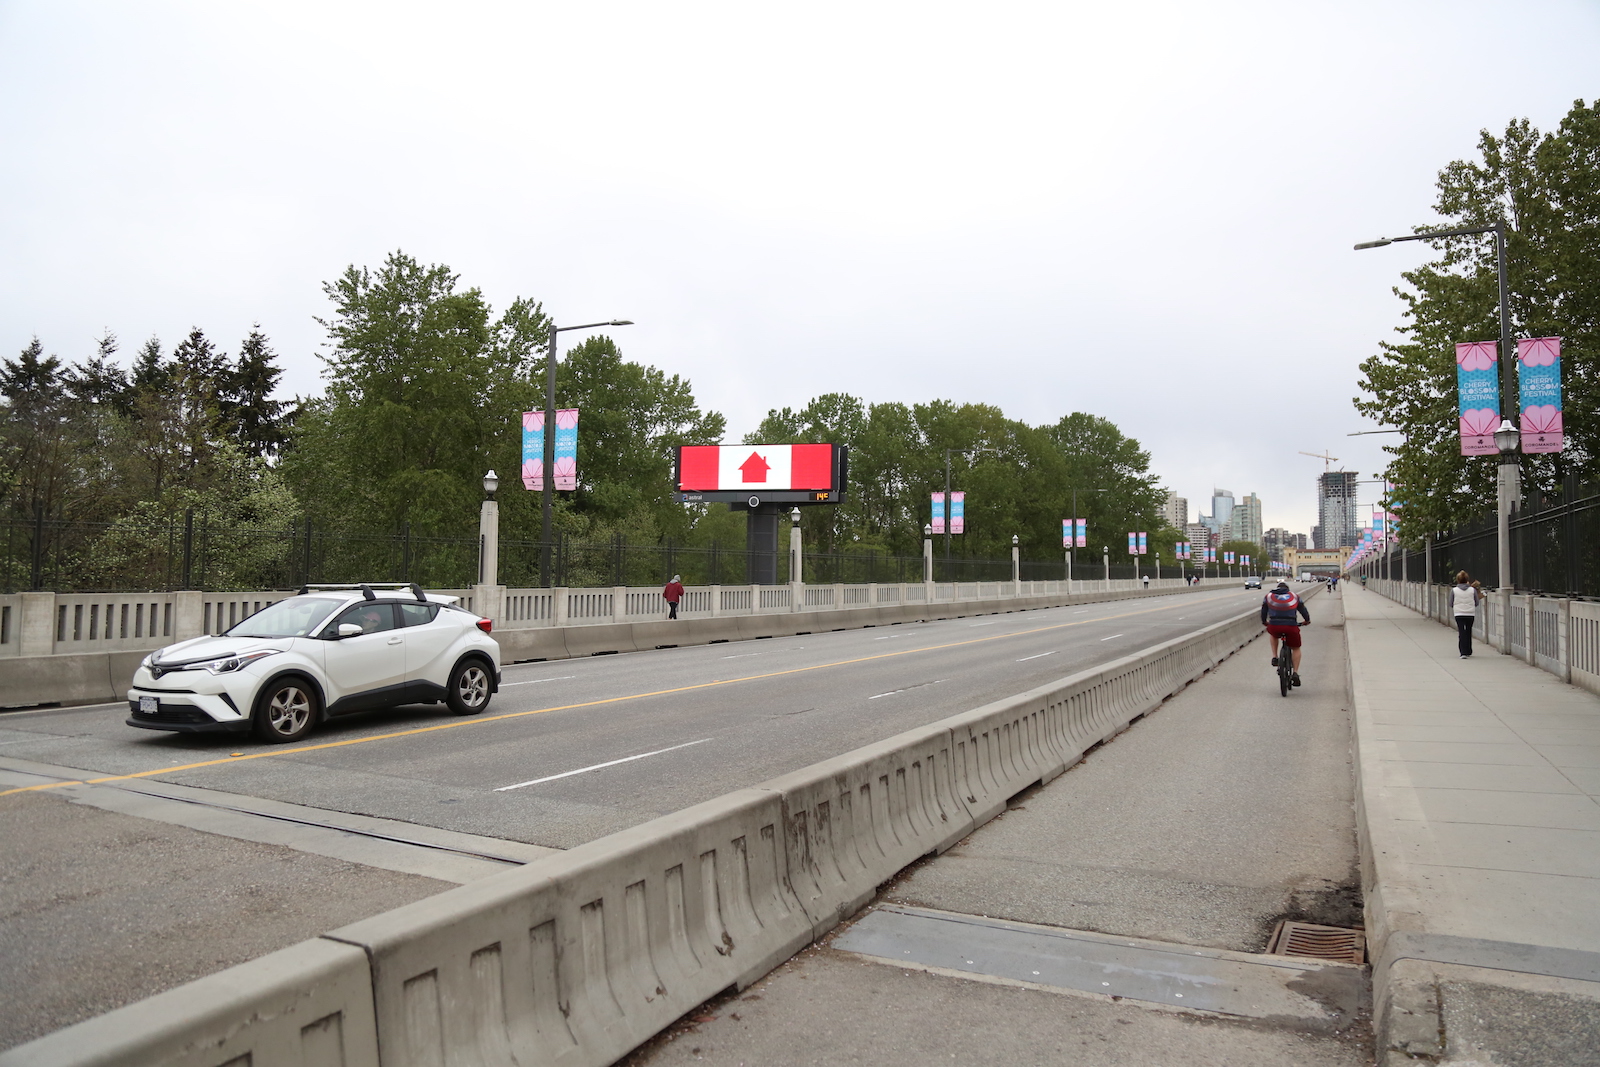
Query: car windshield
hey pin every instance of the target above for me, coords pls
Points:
(295, 617)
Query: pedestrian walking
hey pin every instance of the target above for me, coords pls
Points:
(672, 594)
(1147, 581)
(1464, 597)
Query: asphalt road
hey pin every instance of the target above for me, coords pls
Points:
(572, 750)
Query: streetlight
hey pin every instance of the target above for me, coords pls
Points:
(550, 438)
(947, 454)
(1509, 482)
(927, 552)
(1016, 562)
(1073, 548)
(1507, 489)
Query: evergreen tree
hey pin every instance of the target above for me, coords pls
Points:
(36, 456)
(151, 373)
(255, 420)
(98, 381)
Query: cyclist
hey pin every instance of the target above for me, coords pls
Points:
(1333, 584)
(1281, 612)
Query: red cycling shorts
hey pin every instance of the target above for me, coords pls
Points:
(1289, 634)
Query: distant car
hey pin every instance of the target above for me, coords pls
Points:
(1252, 581)
(328, 651)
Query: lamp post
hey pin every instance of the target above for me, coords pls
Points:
(1072, 549)
(1508, 486)
(486, 595)
(794, 548)
(1105, 558)
(1508, 491)
(550, 439)
(947, 454)
(1016, 565)
(927, 553)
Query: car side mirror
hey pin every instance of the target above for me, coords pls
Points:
(350, 629)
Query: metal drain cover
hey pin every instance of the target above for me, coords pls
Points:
(1318, 942)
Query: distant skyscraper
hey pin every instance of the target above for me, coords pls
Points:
(1245, 522)
(1277, 539)
(1175, 513)
(1339, 525)
(1199, 538)
(1221, 509)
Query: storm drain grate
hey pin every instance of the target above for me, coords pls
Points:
(1318, 942)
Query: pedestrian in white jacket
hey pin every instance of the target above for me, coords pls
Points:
(1464, 602)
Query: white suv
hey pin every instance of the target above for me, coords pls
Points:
(328, 651)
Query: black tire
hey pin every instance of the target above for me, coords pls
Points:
(286, 710)
(1285, 670)
(470, 688)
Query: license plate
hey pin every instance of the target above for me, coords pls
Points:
(149, 705)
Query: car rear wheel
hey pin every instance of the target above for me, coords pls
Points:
(468, 691)
(286, 711)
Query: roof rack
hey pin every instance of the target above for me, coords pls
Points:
(367, 588)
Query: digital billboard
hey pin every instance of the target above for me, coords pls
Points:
(757, 474)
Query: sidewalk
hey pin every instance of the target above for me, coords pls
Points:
(1479, 781)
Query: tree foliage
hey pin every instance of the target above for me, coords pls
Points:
(1546, 189)
(425, 390)
(1019, 479)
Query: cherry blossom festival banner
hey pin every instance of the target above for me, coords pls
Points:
(566, 449)
(1539, 383)
(1478, 394)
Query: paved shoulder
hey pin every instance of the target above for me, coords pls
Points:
(101, 909)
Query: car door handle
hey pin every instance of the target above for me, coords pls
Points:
(394, 640)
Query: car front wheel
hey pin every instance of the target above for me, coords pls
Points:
(468, 691)
(286, 711)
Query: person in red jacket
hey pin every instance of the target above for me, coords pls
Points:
(673, 593)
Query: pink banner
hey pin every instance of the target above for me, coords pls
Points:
(1539, 381)
(1478, 396)
(566, 442)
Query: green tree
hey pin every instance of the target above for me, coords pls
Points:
(1546, 189)
(632, 418)
(1259, 557)
(36, 443)
(1111, 471)
(256, 422)
(425, 393)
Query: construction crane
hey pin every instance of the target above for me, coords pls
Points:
(1327, 460)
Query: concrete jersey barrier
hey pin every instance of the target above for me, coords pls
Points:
(579, 957)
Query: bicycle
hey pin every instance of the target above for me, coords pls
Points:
(1285, 668)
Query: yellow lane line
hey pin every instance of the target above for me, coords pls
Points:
(569, 707)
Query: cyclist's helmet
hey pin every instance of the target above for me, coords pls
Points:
(1281, 587)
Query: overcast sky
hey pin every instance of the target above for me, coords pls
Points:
(1140, 210)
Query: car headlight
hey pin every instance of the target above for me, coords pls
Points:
(148, 661)
(230, 664)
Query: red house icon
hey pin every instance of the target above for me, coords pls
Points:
(755, 469)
